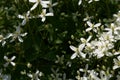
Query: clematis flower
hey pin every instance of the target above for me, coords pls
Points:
(9, 61)
(116, 63)
(44, 14)
(35, 76)
(36, 2)
(92, 26)
(77, 51)
(113, 29)
(85, 41)
(17, 34)
(50, 5)
(25, 18)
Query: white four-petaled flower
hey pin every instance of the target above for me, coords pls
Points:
(44, 14)
(9, 61)
(92, 26)
(17, 34)
(37, 2)
(35, 76)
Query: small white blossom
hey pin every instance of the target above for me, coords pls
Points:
(116, 63)
(102, 48)
(113, 29)
(50, 5)
(37, 2)
(77, 51)
(102, 75)
(9, 61)
(44, 14)
(17, 34)
(92, 26)
(35, 76)
(25, 18)
(107, 37)
(117, 16)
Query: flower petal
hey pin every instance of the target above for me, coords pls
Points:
(89, 23)
(12, 63)
(97, 25)
(24, 34)
(89, 38)
(88, 29)
(73, 48)
(6, 58)
(13, 58)
(81, 46)
(83, 55)
(73, 56)
(34, 6)
(20, 39)
(8, 35)
(23, 22)
(115, 67)
(33, 1)
(21, 16)
(80, 1)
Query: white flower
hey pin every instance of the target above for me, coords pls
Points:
(84, 70)
(17, 34)
(84, 41)
(77, 51)
(36, 2)
(107, 37)
(92, 26)
(87, 18)
(35, 76)
(9, 61)
(50, 5)
(102, 76)
(93, 74)
(116, 63)
(117, 18)
(102, 48)
(113, 29)
(44, 14)
(25, 18)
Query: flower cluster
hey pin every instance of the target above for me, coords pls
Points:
(100, 47)
(43, 54)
